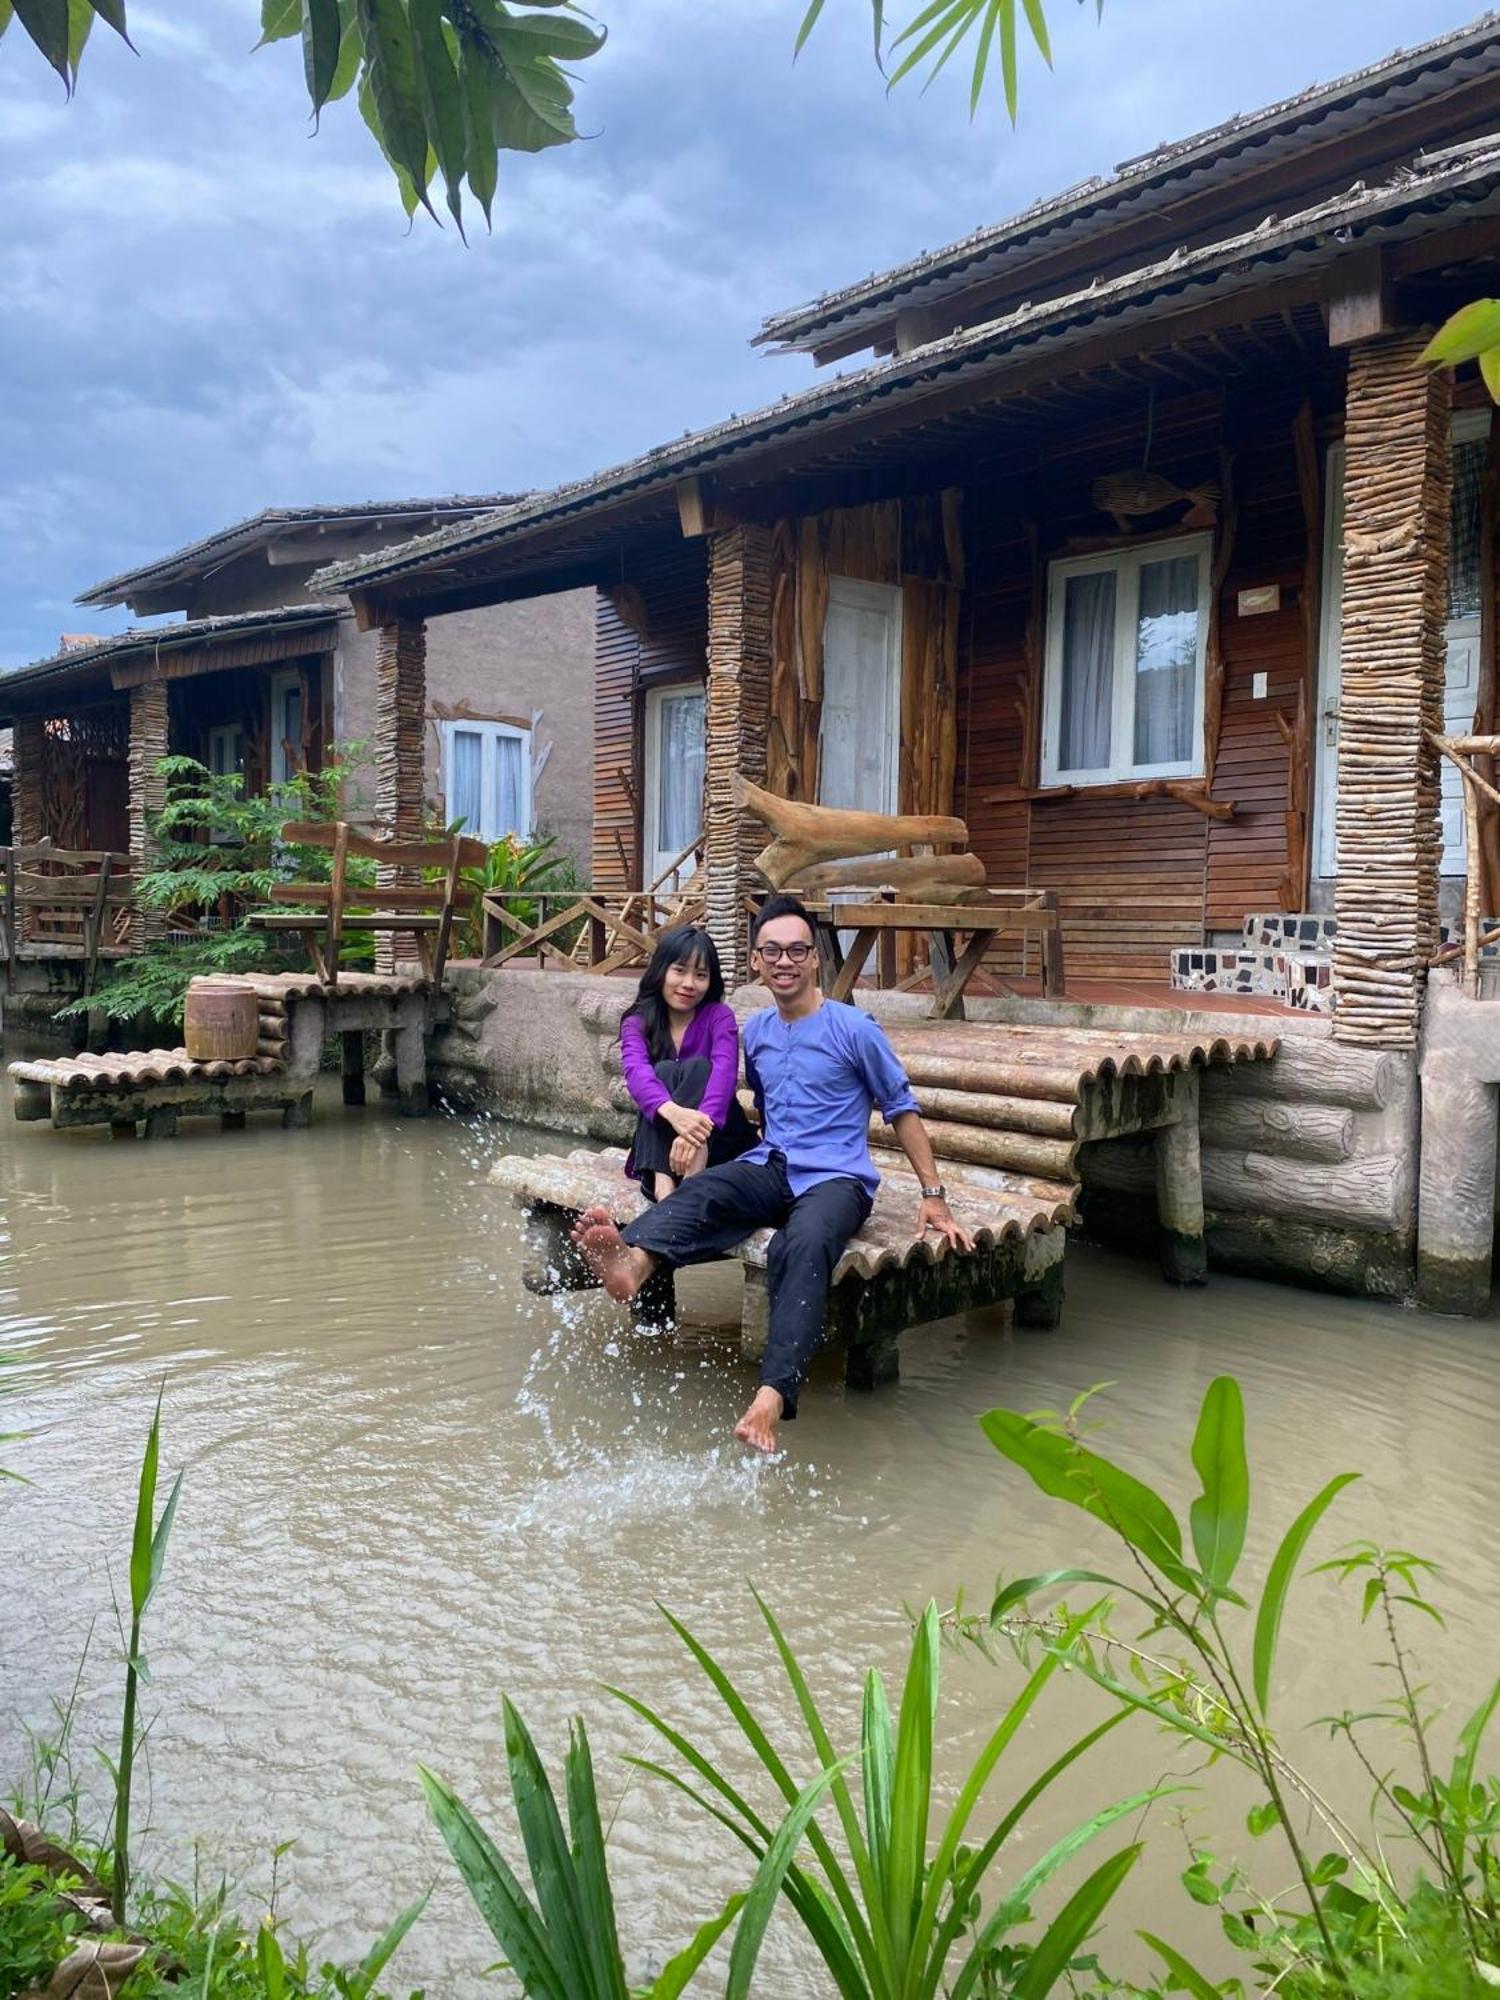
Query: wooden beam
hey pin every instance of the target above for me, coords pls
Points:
(695, 505)
(1361, 298)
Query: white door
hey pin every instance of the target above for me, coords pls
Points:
(674, 781)
(1470, 446)
(859, 758)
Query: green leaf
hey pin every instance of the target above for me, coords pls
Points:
(7, 14)
(279, 20)
(385, 1947)
(1279, 1583)
(112, 14)
(553, 1875)
(442, 100)
(1187, 1977)
(1489, 369)
(46, 21)
(1071, 1926)
(1260, 1819)
(351, 54)
(672, 1980)
(1011, 1594)
(391, 71)
(1008, 76)
(556, 35)
(1067, 1471)
(160, 1538)
(270, 1963)
(766, 1887)
(1037, 21)
(911, 1786)
(80, 24)
(876, 1752)
(809, 22)
(595, 1896)
(145, 1507)
(498, 1896)
(1465, 336)
(322, 39)
(1221, 1513)
(476, 78)
(982, 56)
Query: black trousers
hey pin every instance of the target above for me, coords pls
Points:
(717, 1209)
(651, 1148)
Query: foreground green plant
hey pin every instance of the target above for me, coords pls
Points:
(1357, 1930)
(515, 865)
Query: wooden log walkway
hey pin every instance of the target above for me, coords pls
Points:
(152, 1088)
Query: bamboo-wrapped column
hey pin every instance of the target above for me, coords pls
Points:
(400, 720)
(148, 791)
(739, 700)
(28, 748)
(1397, 481)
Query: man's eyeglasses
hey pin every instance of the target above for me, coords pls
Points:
(798, 954)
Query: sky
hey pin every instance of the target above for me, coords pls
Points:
(205, 309)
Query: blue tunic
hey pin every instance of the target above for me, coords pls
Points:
(815, 1081)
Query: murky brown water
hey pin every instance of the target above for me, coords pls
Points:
(410, 1487)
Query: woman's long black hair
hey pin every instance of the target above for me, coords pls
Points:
(649, 1008)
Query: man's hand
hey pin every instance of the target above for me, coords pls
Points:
(694, 1126)
(934, 1217)
(686, 1158)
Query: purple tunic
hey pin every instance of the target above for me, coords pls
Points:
(713, 1032)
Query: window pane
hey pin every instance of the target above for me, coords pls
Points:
(1088, 671)
(508, 816)
(1463, 567)
(679, 804)
(1166, 661)
(466, 752)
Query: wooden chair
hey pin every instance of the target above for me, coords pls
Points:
(68, 895)
(421, 910)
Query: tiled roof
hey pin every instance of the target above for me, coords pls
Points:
(140, 639)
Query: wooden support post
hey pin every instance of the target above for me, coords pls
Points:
(400, 726)
(410, 1041)
(231, 1121)
(384, 1071)
(755, 1314)
(30, 1102)
(161, 1122)
(352, 1065)
(738, 722)
(1179, 1191)
(871, 1364)
(552, 1261)
(122, 1128)
(654, 1307)
(1392, 650)
(1039, 1308)
(298, 1114)
(148, 745)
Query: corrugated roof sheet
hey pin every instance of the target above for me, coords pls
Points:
(1415, 199)
(212, 550)
(1212, 154)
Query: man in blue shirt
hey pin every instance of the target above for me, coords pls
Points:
(816, 1069)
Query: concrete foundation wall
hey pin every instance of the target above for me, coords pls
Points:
(1309, 1162)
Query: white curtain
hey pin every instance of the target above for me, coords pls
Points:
(1166, 659)
(679, 804)
(465, 798)
(1088, 672)
(510, 788)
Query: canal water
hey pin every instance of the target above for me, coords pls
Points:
(411, 1488)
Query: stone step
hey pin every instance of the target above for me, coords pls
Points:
(1297, 930)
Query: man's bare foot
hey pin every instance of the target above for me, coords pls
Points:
(619, 1268)
(757, 1427)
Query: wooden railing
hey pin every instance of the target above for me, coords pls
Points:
(63, 896)
(592, 930)
(1478, 794)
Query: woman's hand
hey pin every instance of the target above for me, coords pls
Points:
(694, 1126)
(686, 1158)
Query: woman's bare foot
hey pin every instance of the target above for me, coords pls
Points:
(619, 1268)
(757, 1427)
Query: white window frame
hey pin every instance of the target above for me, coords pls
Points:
(1126, 564)
(283, 684)
(656, 855)
(233, 735)
(490, 733)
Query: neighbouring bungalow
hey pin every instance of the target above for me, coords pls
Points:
(264, 676)
(1139, 537)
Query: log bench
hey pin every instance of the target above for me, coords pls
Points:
(151, 1089)
(888, 1279)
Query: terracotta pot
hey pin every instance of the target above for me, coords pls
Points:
(220, 1023)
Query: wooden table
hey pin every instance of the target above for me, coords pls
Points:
(980, 922)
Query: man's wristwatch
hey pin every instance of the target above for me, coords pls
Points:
(937, 1193)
